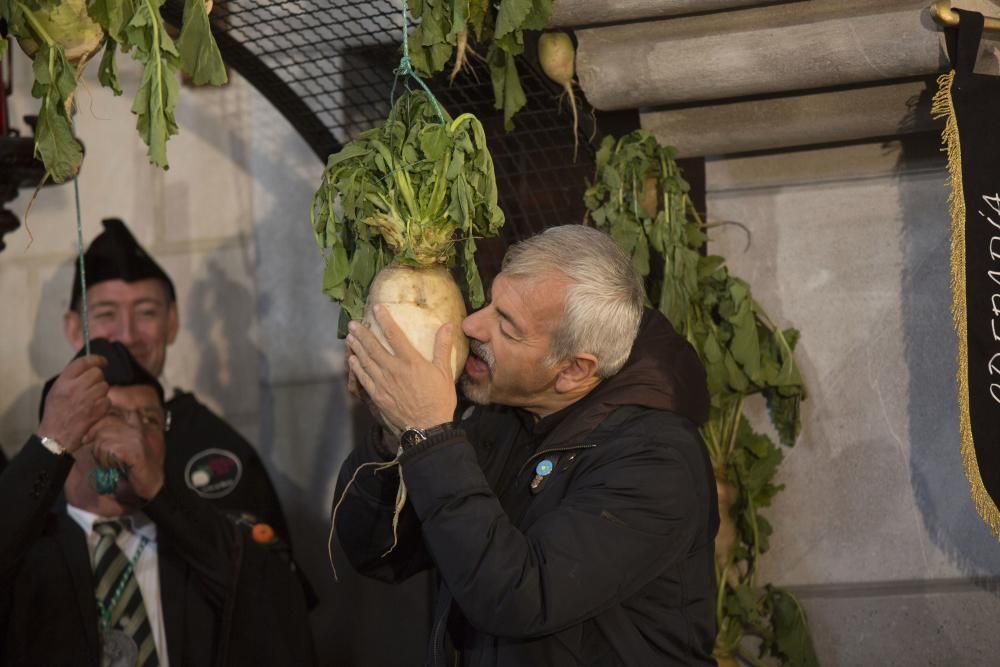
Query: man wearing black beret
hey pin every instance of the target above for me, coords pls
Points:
(132, 300)
(123, 568)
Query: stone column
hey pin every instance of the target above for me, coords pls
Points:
(795, 120)
(765, 50)
(575, 13)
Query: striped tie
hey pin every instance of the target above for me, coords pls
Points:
(112, 571)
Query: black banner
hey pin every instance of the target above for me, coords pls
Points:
(970, 104)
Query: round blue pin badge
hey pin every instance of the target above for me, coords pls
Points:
(543, 468)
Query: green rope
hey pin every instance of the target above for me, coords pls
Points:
(105, 479)
(406, 68)
(83, 269)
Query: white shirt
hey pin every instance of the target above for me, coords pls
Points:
(147, 571)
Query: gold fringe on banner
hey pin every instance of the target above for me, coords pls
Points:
(942, 107)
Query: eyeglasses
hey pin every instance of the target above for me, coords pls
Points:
(145, 417)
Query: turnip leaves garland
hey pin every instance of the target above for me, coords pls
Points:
(641, 199)
(63, 35)
(415, 191)
(445, 27)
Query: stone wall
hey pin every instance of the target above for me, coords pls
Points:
(197, 219)
(875, 530)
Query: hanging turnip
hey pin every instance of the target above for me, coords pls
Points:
(557, 57)
(62, 37)
(400, 206)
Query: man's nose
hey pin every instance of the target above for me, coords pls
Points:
(472, 325)
(125, 331)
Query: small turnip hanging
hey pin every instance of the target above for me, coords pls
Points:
(557, 57)
(396, 209)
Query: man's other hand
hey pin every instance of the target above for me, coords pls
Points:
(406, 388)
(125, 444)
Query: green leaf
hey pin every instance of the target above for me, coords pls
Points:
(756, 472)
(511, 16)
(55, 144)
(199, 54)
(785, 415)
(113, 16)
(107, 72)
(737, 379)
(434, 142)
(474, 285)
(744, 345)
(539, 15)
(507, 92)
(157, 95)
(792, 640)
(335, 275)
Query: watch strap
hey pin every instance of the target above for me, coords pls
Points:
(413, 436)
(52, 445)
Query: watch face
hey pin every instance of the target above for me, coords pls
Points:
(411, 437)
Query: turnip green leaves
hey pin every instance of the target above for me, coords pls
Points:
(500, 25)
(408, 193)
(640, 198)
(48, 30)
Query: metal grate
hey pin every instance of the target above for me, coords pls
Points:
(328, 68)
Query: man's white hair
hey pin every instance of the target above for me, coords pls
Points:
(605, 297)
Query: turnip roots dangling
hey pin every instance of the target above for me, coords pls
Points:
(557, 57)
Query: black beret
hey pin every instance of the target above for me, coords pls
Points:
(115, 255)
(122, 369)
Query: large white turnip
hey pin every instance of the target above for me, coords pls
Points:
(397, 208)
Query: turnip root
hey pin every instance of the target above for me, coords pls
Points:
(650, 197)
(460, 49)
(556, 55)
(725, 539)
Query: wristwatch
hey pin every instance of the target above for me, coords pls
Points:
(52, 445)
(413, 436)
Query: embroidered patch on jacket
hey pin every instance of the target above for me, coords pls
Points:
(213, 473)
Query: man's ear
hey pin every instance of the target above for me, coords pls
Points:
(173, 323)
(73, 328)
(578, 373)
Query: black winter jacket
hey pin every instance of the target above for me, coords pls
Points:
(606, 560)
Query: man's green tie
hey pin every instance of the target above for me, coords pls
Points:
(119, 600)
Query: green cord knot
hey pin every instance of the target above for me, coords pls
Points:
(405, 66)
(105, 480)
(406, 69)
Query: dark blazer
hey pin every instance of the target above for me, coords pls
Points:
(194, 430)
(47, 611)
